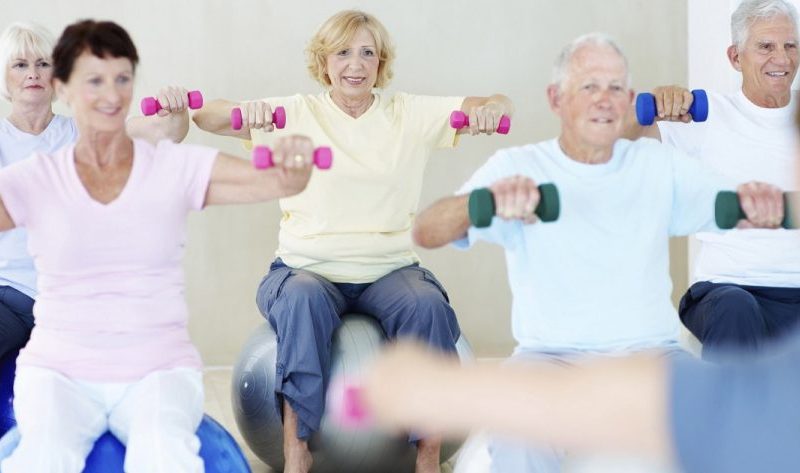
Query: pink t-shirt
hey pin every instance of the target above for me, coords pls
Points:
(111, 304)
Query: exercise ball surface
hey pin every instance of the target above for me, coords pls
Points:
(335, 449)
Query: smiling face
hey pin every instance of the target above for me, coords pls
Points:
(99, 92)
(593, 99)
(768, 61)
(28, 79)
(353, 70)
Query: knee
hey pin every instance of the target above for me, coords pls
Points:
(163, 448)
(732, 304)
(303, 299)
(45, 453)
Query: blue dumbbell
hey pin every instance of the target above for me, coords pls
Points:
(646, 107)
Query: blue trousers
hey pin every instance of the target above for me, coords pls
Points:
(304, 309)
(16, 319)
(728, 317)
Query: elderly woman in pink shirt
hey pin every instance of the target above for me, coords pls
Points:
(106, 219)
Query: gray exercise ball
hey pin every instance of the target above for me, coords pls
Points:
(357, 340)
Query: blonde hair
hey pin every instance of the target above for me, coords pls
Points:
(21, 39)
(336, 33)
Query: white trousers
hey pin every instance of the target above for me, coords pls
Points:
(60, 418)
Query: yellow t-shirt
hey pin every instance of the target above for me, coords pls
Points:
(353, 222)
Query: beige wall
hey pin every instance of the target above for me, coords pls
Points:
(241, 49)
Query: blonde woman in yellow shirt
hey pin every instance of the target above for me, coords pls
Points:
(345, 243)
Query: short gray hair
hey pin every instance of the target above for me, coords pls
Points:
(564, 59)
(18, 40)
(750, 11)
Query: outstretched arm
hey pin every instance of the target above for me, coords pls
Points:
(612, 404)
(215, 117)
(170, 123)
(443, 222)
(236, 181)
(672, 104)
(447, 220)
(485, 112)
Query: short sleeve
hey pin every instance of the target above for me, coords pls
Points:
(191, 165)
(431, 116)
(695, 187)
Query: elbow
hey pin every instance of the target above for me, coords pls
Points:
(421, 237)
(197, 118)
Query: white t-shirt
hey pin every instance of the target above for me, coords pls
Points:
(16, 264)
(597, 279)
(744, 142)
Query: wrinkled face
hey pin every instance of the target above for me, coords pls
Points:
(768, 58)
(28, 79)
(353, 70)
(593, 99)
(99, 91)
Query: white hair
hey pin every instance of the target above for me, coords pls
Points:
(750, 11)
(21, 39)
(563, 61)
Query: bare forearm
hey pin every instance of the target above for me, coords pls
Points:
(215, 117)
(571, 408)
(173, 127)
(443, 222)
(633, 130)
(236, 181)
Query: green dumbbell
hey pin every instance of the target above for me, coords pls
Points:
(728, 210)
(482, 209)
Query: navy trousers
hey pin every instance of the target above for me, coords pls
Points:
(16, 319)
(728, 317)
(304, 309)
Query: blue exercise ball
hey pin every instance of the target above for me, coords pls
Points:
(218, 449)
(334, 448)
(8, 367)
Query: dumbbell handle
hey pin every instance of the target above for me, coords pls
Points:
(482, 208)
(262, 157)
(278, 118)
(728, 210)
(459, 119)
(151, 106)
(646, 108)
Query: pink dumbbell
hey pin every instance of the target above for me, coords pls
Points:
(459, 119)
(278, 118)
(262, 157)
(346, 406)
(150, 105)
